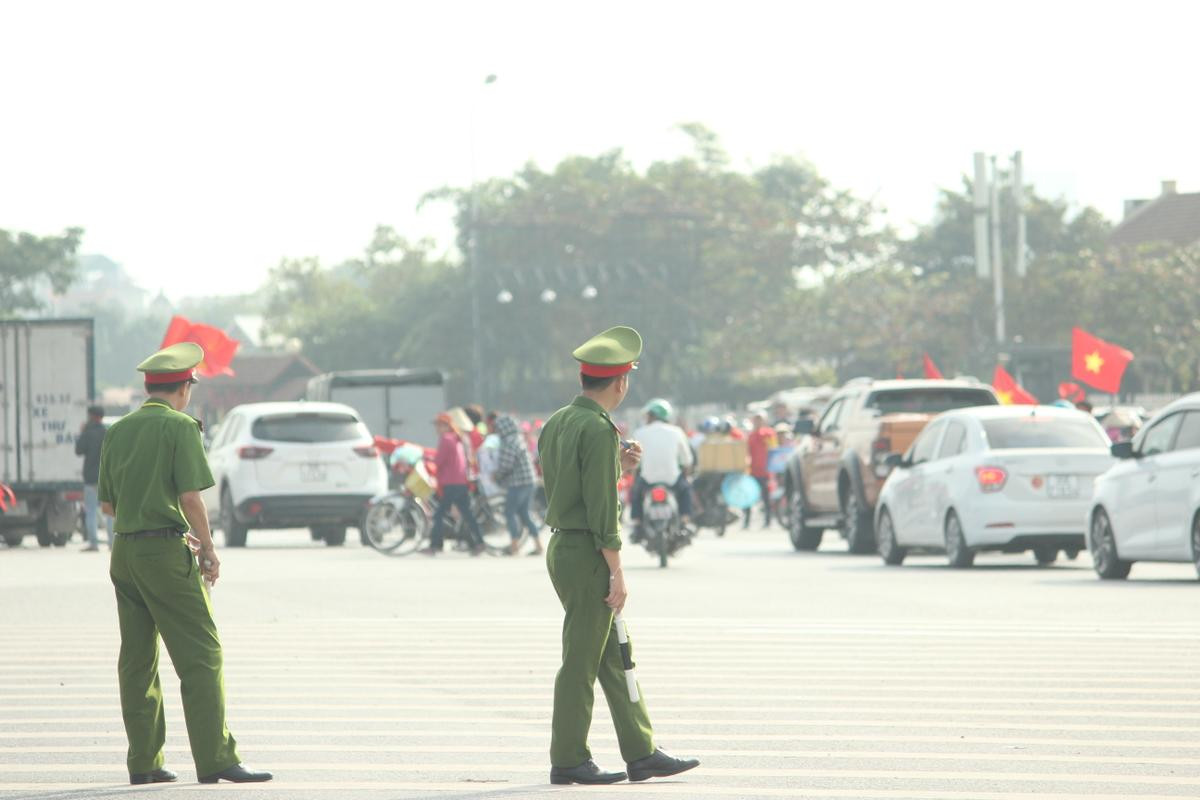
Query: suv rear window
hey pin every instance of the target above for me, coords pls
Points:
(308, 428)
(933, 400)
(1036, 432)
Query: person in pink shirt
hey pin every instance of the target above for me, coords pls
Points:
(759, 444)
(453, 486)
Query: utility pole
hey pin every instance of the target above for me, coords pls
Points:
(997, 260)
(989, 257)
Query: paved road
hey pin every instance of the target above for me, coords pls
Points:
(789, 675)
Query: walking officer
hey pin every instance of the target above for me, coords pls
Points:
(582, 459)
(152, 470)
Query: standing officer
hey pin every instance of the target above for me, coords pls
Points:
(582, 459)
(152, 469)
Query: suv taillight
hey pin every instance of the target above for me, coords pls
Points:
(658, 494)
(250, 453)
(991, 479)
(368, 451)
(881, 448)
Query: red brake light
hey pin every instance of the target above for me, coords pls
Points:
(368, 451)
(251, 453)
(991, 479)
(72, 496)
(658, 494)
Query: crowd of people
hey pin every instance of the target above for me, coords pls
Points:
(499, 453)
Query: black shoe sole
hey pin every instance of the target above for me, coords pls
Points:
(152, 780)
(658, 773)
(563, 781)
(231, 780)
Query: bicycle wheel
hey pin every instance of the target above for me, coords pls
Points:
(396, 529)
(489, 511)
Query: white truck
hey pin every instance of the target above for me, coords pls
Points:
(46, 383)
(394, 403)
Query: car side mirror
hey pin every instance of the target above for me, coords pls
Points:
(1123, 450)
(894, 460)
(804, 427)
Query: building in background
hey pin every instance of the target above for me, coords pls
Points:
(1170, 218)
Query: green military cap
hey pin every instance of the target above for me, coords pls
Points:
(613, 352)
(173, 364)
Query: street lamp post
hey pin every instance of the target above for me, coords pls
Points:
(472, 262)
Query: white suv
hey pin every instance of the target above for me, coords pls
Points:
(1147, 507)
(292, 465)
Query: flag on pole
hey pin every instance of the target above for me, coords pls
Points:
(1096, 362)
(931, 370)
(219, 348)
(1009, 391)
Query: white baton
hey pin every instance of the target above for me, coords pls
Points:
(626, 658)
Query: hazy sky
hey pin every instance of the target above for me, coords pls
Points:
(200, 143)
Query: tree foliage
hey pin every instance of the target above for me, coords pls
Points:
(737, 279)
(29, 263)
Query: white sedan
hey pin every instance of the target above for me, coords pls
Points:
(1007, 478)
(1147, 507)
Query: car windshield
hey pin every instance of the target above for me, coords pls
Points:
(1034, 432)
(933, 400)
(308, 428)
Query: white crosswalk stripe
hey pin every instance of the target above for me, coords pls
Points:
(460, 708)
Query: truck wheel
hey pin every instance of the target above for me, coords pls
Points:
(1045, 555)
(61, 539)
(13, 538)
(334, 535)
(235, 532)
(44, 539)
(856, 522)
(803, 537)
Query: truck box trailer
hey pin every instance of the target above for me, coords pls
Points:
(47, 381)
(394, 403)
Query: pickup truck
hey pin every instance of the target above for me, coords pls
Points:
(834, 476)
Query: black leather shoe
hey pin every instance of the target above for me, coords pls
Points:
(237, 774)
(157, 776)
(587, 772)
(659, 765)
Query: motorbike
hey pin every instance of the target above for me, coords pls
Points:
(662, 531)
(709, 509)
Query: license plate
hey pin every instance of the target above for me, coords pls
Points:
(1062, 486)
(313, 473)
(660, 512)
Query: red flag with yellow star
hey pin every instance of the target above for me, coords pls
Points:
(1009, 391)
(219, 348)
(1096, 362)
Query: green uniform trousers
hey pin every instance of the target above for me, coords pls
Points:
(589, 651)
(159, 591)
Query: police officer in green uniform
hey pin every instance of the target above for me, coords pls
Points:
(152, 469)
(582, 459)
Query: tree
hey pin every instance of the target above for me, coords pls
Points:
(29, 263)
(396, 306)
(702, 259)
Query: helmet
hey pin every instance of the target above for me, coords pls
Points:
(710, 425)
(659, 409)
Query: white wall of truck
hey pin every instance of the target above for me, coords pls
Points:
(46, 384)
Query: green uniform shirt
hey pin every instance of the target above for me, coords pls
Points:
(149, 459)
(581, 463)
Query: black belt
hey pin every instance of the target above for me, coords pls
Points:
(569, 530)
(156, 533)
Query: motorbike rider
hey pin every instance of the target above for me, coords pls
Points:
(666, 455)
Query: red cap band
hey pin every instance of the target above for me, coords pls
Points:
(604, 370)
(169, 377)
